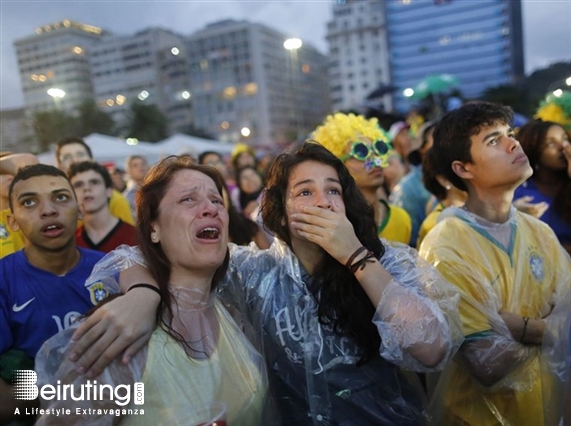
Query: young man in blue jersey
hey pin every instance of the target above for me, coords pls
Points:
(41, 286)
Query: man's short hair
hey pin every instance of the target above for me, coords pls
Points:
(133, 157)
(452, 134)
(33, 170)
(68, 141)
(85, 166)
(205, 154)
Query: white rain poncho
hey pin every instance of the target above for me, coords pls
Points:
(556, 357)
(176, 387)
(312, 370)
(517, 267)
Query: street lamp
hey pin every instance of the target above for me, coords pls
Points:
(292, 45)
(57, 95)
(408, 92)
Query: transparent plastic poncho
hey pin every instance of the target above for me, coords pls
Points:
(312, 370)
(218, 366)
(517, 267)
(556, 357)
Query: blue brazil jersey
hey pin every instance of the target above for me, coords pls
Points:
(36, 304)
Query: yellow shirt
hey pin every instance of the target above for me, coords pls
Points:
(10, 241)
(525, 278)
(177, 386)
(119, 207)
(429, 223)
(397, 225)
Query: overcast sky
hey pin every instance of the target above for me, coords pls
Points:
(546, 25)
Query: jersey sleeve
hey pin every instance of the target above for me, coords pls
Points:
(119, 207)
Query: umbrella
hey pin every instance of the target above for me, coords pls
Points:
(434, 84)
(381, 91)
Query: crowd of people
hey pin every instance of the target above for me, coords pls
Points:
(363, 277)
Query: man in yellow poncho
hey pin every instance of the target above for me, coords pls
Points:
(508, 266)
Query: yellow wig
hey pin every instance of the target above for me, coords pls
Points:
(340, 129)
(556, 109)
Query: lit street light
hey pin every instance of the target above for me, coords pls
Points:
(245, 132)
(57, 95)
(408, 92)
(292, 44)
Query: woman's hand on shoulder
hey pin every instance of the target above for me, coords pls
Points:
(123, 325)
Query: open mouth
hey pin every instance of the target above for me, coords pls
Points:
(208, 234)
(53, 230)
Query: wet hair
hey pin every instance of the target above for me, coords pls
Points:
(148, 199)
(85, 166)
(342, 302)
(452, 134)
(532, 138)
(429, 172)
(68, 141)
(34, 170)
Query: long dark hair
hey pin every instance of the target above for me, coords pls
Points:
(342, 302)
(149, 197)
(532, 138)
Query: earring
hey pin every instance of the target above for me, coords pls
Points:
(448, 187)
(154, 238)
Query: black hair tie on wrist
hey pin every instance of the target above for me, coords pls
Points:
(361, 264)
(149, 286)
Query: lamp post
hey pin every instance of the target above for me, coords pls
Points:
(57, 95)
(292, 45)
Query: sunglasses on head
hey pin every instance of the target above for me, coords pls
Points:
(362, 150)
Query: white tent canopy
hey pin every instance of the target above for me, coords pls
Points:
(112, 149)
(108, 149)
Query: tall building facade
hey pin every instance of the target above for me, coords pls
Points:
(55, 57)
(479, 42)
(233, 80)
(247, 87)
(150, 67)
(358, 53)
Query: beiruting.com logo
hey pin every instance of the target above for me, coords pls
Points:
(26, 389)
